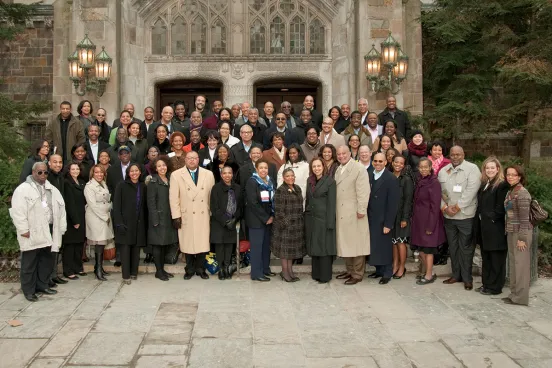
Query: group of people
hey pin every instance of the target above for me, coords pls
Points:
(357, 185)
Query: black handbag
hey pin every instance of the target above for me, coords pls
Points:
(172, 253)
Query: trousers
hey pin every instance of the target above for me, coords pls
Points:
(224, 253)
(519, 264)
(55, 263)
(356, 266)
(195, 263)
(130, 257)
(385, 271)
(493, 269)
(260, 251)
(72, 258)
(36, 267)
(461, 248)
(322, 268)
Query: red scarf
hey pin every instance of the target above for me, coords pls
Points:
(420, 150)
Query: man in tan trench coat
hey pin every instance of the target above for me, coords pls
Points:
(353, 234)
(189, 196)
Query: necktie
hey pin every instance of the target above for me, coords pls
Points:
(193, 176)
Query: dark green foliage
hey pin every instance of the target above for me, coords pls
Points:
(487, 64)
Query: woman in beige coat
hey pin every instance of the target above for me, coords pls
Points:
(99, 229)
(189, 196)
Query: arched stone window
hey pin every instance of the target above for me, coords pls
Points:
(285, 27)
(193, 27)
(159, 38)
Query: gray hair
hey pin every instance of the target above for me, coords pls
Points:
(254, 109)
(37, 164)
(362, 99)
(284, 102)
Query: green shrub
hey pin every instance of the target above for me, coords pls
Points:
(8, 182)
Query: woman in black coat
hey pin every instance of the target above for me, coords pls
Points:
(401, 232)
(161, 233)
(129, 219)
(320, 209)
(40, 151)
(490, 226)
(417, 148)
(226, 211)
(259, 215)
(223, 157)
(74, 237)
(161, 141)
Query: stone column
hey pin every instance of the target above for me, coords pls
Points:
(62, 86)
(413, 85)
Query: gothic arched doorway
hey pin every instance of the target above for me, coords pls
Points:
(186, 91)
(291, 90)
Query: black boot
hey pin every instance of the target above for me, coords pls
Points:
(98, 267)
(101, 251)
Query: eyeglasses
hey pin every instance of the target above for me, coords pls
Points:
(378, 161)
(286, 107)
(282, 119)
(46, 172)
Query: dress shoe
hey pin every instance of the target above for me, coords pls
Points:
(343, 276)
(127, 281)
(222, 275)
(32, 298)
(133, 277)
(48, 291)
(117, 264)
(169, 275)
(59, 280)
(374, 276)
(468, 286)
(82, 273)
(286, 279)
(295, 278)
(480, 289)
(104, 272)
(262, 279)
(162, 277)
(489, 292)
(74, 277)
(52, 285)
(352, 281)
(384, 280)
(269, 274)
(401, 276)
(188, 276)
(203, 275)
(450, 281)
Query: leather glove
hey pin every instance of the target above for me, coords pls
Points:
(177, 223)
(230, 224)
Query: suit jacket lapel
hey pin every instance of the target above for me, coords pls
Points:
(378, 183)
(190, 183)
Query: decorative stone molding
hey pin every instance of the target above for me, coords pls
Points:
(238, 71)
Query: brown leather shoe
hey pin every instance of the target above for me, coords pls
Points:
(352, 281)
(344, 275)
(468, 286)
(450, 281)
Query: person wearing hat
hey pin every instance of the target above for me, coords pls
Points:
(417, 148)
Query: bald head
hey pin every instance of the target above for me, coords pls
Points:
(343, 154)
(456, 155)
(167, 114)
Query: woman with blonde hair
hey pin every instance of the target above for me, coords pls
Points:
(490, 226)
(99, 229)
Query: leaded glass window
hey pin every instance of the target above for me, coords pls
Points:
(199, 36)
(218, 38)
(277, 36)
(297, 36)
(178, 36)
(159, 38)
(257, 37)
(316, 34)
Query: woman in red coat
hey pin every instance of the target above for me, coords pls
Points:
(427, 231)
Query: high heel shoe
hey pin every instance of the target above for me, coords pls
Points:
(283, 278)
(401, 276)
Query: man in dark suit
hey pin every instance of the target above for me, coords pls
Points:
(382, 210)
(280, 126)
(196, 123)
(93, 145)
(268, 114)
(345, 119)
(211, 121)
(166, 119)
(241, 150)
(398, 116)
(148, 121)
(253, 122)
(308, 104)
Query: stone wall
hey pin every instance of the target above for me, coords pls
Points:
(508, 145)
(27, 63)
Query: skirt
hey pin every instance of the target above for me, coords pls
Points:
(425, 250)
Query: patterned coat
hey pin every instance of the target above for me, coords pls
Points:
(288, 234)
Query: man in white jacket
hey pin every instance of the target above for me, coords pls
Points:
(38, 214)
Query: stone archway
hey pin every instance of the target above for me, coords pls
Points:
(186, 90)
(292, 90)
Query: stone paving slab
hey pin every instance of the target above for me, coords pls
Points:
(240, 323)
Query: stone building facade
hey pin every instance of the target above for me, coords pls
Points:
(237, 50)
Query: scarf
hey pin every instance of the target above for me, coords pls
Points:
(417, 150)
(231, 206)
(268, 187)
(281, 153)
(436, 163)
(196, 127)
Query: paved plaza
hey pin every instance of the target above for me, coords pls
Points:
(239, 323)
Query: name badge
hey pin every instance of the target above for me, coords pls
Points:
(206, 161)
(265, 196)
(171, 154)
(44, 204)
(457, 189)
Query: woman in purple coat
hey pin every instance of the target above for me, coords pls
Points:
(427, 230)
